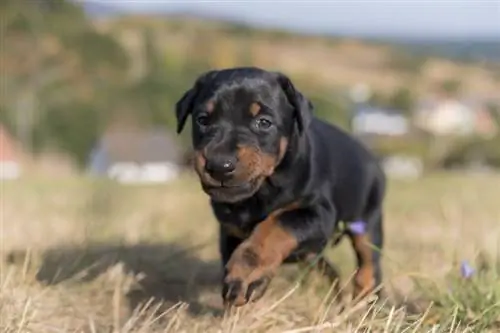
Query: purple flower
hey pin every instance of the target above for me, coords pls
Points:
(357, 227)
(466, 270)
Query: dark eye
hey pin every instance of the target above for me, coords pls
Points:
(263, 123)
(202, 120)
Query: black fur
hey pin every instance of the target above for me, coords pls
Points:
(331, 175)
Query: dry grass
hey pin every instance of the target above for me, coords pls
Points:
(86, 256)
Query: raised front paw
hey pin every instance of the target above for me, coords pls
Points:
(247, 278)
(238, 292)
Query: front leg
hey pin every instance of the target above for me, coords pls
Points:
(228, 242)
(255, 262)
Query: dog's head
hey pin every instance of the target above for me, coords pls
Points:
(242, 122)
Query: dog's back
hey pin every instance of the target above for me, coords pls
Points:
(345, 170)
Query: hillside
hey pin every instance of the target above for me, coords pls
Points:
(484, 48)
(69, 75)
(330, 62)
(487, 49)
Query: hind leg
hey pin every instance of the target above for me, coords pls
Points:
(377, 238)
(367, 240)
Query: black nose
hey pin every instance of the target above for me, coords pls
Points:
(221, 167)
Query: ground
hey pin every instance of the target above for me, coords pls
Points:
(91, 256)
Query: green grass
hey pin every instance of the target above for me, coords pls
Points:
(90, 256)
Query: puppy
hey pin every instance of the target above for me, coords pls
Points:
(280, 181)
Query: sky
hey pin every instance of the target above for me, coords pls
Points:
(405, 18)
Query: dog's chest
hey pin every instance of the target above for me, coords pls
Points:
(238, 220)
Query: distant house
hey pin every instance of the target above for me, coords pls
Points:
(10, 155)
(132, 156)
(370, 120)
(445, 117)
(449, 116)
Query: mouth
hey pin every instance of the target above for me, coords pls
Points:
(230, 193)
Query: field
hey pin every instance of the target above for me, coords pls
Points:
(90, 256)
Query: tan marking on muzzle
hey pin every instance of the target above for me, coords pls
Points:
(254, 163)
(199, 161)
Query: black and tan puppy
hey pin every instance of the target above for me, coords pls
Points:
(279, 179)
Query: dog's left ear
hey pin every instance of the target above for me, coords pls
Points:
(184, 105)
(303, 106)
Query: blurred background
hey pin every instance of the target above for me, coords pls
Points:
(419, 83)
(94, 177)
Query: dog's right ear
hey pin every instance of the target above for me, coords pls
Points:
(184, 106)
(302, 105)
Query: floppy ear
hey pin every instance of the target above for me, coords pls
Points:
(303, 106)
(184, 105)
